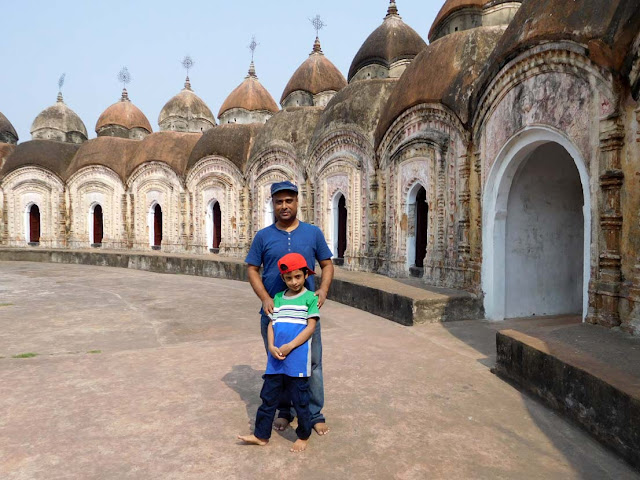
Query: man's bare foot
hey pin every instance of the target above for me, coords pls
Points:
(321, 428)
(253, 440)
(281, 424)
(299, 446)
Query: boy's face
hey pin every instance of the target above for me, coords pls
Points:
(295, 280)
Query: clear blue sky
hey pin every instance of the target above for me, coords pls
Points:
(92, 40)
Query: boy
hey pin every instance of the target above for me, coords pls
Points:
(289, 361)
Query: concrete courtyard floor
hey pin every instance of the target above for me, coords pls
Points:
(148, 376)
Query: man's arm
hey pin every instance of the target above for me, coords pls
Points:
(327, 277)
(302, 337)
(258, 287)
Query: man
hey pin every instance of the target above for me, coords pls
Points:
(288, 234)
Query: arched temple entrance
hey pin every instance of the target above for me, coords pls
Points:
(33, 214)
(339, 225)
(155, 224)
(96, 223)
(537, 236)
(418, 217)
(215, 230)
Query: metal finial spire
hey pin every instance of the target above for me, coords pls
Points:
(60, 85)
(187, 63)
(124, 77)
(318, 24)
(252, 46)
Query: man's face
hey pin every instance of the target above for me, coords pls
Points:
(285, 205)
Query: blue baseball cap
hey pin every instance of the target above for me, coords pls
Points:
(280, 186)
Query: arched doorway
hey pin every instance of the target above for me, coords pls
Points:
(34, 224)
(339, 227)
(216, 226)
(418, 217)
(422, 214)
(537, 229)
(97, 232)
(157, 227)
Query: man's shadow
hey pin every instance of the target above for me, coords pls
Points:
(247, 383)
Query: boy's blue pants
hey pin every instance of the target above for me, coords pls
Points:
(297, 389)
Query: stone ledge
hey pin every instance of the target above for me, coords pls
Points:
(386, 297)
(601, 399)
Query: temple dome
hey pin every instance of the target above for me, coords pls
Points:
(123, 119)
(58, 122)
(231, 141)
(48, 154)
(459, 15)
(111, 152)
(186, 112)
(446, 72)
(250, 102)
(8, 134)
(171, 148)
(314, 82)
(388, 50)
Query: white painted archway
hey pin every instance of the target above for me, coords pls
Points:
(151, 222)
(268, 213)
(27, 221)
(209, 223)
(494, 215)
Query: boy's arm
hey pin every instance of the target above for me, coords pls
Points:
(302, 337)
(273, 350)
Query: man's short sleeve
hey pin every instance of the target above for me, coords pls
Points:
(312, 307)
(322, 249)
(254, 257)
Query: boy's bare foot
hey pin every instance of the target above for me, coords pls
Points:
(281, 424)
(253, 440)
(321, 428)
(299, 446)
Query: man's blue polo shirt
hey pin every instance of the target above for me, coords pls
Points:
(271, 244)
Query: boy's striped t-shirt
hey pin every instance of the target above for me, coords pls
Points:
(289, 318)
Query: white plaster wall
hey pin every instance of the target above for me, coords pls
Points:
(544, 236)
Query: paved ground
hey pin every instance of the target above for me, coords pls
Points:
(175, 376)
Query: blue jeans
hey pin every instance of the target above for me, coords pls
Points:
(316, 384)
(272, 389)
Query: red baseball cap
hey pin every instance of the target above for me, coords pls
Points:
(293, 261)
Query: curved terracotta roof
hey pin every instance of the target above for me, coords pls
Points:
(6, 149)
(292, 127)
(186, 104)
(359, 105)
(392, 41)
(316, 74)
(6, 128)
(124, 114)
(110, 152)
(47, 154)
(232, 141)
(606, 27)
(172, 148)
(59, 117)
(445, 72)
(250, 95)
(452, 6)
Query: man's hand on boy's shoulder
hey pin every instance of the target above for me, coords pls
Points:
(322, 296)
(267, 306)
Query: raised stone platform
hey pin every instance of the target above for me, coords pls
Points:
(407, 302)
(588, 373)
